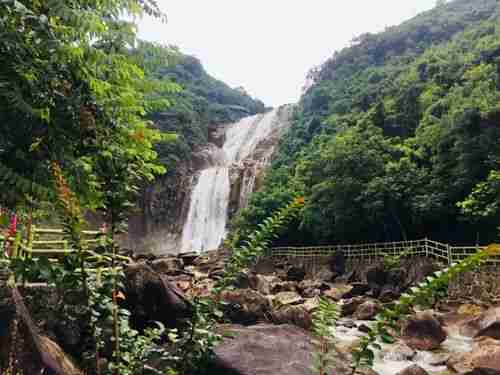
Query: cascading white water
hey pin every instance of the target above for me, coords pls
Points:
(206, 222)
(205, 227)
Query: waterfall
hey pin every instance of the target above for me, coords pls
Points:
(205, 227)
(206, 222)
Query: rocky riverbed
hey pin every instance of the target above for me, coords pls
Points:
(270, 315)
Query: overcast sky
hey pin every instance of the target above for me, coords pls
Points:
(268, 46)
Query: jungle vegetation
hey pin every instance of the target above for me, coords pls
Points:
(397, 136)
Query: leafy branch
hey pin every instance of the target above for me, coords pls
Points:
(258, 242)
(324, 320)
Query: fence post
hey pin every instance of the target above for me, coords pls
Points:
(450, 260)
(426, 248)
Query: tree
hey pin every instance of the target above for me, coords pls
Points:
(70, 93)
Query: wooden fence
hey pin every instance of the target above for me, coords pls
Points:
(371, 251)
(46, 242)
(51, 243)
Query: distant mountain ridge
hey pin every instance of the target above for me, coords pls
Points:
(397, 137)
(204, 101)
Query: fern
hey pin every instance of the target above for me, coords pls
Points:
(258, 242)
(324, 320)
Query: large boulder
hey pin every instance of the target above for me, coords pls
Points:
(312, 288)
(487, 324)
(170, 265)
(296, 273)
(246, 306)
(283, 286)
(325, 275)
(263, 284)
(338, 291)
(338, 263)
(377, 275)
(268, 350)
(293, 314)
(423, 332)
(367, 310)
(483, 359)
(358, 289)
(287, 298)
(151, 297)
(413, 370)
(350, 306)
(264, 266)
(388, 293)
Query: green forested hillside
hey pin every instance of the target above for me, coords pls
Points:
(202, 101)
(398, 137)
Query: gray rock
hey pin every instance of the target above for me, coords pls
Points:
(423, 332)
(268, 350)
(487, 324)
(413, 370)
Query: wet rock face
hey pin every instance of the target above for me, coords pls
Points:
(151, 297)
(297, 315)
(487, 324)
(483, 359)
(217, 135)
(413, 370)
(367, 310)
(423, 332)
(170, 265)
(296, 274)
(267, 350)
(246, 306)
(7, 315)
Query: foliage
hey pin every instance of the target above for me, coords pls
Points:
(395, 131)
(70, 93)
(484, 201)
(203, 100)
(324, 320)
(195, 343)
(258, 242)
(138, 351)
(422, 295)
(393, 261)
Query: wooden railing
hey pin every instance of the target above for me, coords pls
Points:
(427, 248)
(51, 243)
(47, 242)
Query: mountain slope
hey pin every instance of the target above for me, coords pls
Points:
(202, 102)
(395, 132)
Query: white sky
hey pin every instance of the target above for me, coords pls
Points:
(268, 46)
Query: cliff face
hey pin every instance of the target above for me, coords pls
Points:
(164, 207)
(247, 176)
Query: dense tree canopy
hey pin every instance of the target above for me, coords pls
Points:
(203, 101)
(398, 136)
(70, 93)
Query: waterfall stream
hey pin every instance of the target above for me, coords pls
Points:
(205, 227)
(390, 360)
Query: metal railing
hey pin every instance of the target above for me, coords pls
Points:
(425, 247)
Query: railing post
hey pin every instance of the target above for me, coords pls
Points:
(426, 248)
(449, 254)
